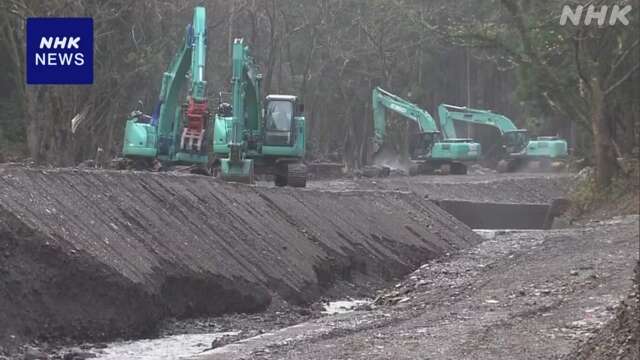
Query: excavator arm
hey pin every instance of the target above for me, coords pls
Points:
(188, 63)
(172, 81)
(247, 115)
(197, 107)
(176, 131)
(449, 113)
(246, 80)
(198, 55)
(383, 100)
(515, 140)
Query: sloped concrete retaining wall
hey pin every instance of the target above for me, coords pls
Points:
(99, 254)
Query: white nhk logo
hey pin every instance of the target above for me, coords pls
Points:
(56, 58)
(618, 14)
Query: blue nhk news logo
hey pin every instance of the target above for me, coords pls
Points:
(59, 51)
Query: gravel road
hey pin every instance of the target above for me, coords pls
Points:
(505, 188)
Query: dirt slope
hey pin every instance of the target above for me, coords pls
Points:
(618, 339)
(102, 254)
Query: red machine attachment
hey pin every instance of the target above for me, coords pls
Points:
(193, 133)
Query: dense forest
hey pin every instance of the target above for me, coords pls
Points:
(511, 56)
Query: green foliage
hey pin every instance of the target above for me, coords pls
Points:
(588, 197)
(585, 195)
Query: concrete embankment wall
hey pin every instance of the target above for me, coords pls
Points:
(99, 254)
(487, 215)
(504, 201)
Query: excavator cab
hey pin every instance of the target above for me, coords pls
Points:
(421, 144)
(279, 124)
(140, 134)
(515, 142)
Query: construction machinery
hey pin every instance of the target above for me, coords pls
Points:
(517, 148)
(428, 150)
(176, 133)
(253, 136)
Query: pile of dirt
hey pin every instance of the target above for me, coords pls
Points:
(102, 254)
(618, 339)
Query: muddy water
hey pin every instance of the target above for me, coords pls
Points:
(343, 306)
(188, 345)
(167, 348)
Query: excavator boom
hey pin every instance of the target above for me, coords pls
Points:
(246, 110)
(449, 113)
(383, 100)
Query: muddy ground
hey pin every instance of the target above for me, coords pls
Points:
(500, 188)
(518, 295)
(619, 338)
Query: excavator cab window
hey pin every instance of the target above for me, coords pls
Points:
(515, 141)
(140, 117)
(224, 104)
(420, 144)
(279, 122)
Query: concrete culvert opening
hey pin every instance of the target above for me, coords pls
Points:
(491, 215)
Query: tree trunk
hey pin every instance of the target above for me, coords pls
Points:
(33, 141)
(34, 125)
(604, 157)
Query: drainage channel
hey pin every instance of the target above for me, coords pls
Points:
(487, 219)
(187, 345)
(489, 215)
(165, 348)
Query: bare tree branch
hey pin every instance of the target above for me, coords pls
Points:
(624, 78)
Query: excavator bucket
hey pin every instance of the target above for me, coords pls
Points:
(237, 171)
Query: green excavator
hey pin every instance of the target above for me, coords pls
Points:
(176, 133)
(428, 150)
(517, 149)
(256, 137)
